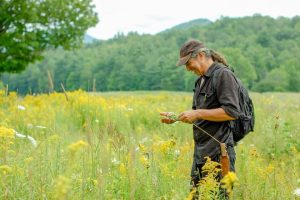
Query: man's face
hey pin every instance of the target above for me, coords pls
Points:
(195, 65)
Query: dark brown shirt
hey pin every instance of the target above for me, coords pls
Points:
(224, 94)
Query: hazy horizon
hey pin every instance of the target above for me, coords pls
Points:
(155, 16)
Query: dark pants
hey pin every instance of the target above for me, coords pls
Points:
(197, 174)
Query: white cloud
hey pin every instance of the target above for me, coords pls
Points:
(157, 15)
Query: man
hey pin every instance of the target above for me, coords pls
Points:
(215, 103)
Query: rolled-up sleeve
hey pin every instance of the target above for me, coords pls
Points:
(227, 93)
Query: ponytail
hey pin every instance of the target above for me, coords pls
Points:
(217, 57)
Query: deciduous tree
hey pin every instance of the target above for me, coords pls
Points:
(28, 27)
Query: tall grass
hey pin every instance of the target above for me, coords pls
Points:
(113, 146)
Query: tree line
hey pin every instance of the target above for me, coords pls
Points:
(262, 50)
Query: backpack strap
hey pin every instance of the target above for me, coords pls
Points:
(215, 77)
(216, 74)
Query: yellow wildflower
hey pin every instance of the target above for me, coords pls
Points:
(5, 169)
(253, 152)
(211, 166)
(13, 96)
(266, 171)
(142, 147)
(95, 182)
(122, 169)
(269, 169)
(76, 146)
(209, 185)
(293, 149)
(6, 132)
(228, 181)
(62, 187)
(192, 194)
(145, 162)
(7, 136)
(164, 146)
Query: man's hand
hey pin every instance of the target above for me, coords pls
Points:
(167, 119)
(188, 116)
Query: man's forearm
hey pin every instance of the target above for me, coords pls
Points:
(216, 115)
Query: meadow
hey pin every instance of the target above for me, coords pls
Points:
(113, 146)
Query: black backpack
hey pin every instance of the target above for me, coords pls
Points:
(245, 123)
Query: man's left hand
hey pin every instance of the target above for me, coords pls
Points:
(188, 116)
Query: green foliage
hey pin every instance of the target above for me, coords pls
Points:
(241, 65)
(28, 27)
(276, 80)
(263, 51)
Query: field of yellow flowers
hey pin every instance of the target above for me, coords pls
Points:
(113, 146)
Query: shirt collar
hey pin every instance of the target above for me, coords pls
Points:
(211, 69)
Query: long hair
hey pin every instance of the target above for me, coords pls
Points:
(217, 57)
(210, 53)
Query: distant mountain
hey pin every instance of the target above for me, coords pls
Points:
(189, 24)
(88, 39)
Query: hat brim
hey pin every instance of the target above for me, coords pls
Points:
(183, 60)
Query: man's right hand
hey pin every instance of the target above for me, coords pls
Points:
(166, 118)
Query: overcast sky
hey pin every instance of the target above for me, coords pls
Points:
(153, 16)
